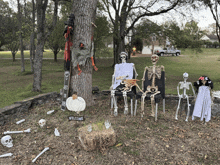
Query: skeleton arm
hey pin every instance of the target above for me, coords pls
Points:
(162, 67)
(135, 71)
(113, 80)
(143, 79)
(178, 89)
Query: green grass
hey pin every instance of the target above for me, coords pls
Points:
(17, 86)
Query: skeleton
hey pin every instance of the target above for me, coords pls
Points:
(127, 88)
(45, 149)
(107, 124)
(7, 141)
(153, 73)
(12, 132)
(6, 155)
(42, 123)
(185, 86)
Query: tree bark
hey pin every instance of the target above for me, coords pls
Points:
(20, 36)
(38, 60)
(32, 44)
(84, 12)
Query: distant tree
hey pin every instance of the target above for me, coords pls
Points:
(6, 25)
(214, 6)
(123, 8)
(56, 40)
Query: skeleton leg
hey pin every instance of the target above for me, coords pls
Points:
(188, 108)
(178, 107)
(114, 103)
(126, 102)
(153, 104)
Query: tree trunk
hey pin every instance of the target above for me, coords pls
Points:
(55, 52)
(84, 12)
(38, 60)
(20, 36)
(32, 47)
(13, 56)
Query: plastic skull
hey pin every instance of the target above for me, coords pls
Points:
(185, 76)
(7, 141)
(42, 122)
(154, 59)
(123, 56)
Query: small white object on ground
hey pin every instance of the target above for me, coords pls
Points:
(107, 124)
(6, 155)
(216, 94)
(49, 112)
(20, 121)
(11, 132)
(45, 149)
(42, 123)
(7, 141)
(56, 132)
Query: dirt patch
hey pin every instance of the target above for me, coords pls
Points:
(166, 141)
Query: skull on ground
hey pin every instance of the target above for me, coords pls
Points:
(42, 122)
(7, 141)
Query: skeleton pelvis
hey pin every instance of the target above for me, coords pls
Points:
(152, 89)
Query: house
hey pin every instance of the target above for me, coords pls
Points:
(212, 38)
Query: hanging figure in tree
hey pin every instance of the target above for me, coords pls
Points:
(81, 53)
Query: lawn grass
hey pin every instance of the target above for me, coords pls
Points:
(17, 86)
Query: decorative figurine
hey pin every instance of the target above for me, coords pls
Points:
(75, 103)
(42, 123)
(185, 86)
(122, 72)
(153, 73)
(202, 108)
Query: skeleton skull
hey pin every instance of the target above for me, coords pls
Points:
(154, 59)
(123, 57)
(185, 76)
(42, 122)
(7, 141)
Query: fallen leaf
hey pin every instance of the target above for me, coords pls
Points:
(118, 145)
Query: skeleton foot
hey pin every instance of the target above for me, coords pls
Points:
(116, 112)
(186, 120)
(152, 114)
(126, 111)
(176, 118)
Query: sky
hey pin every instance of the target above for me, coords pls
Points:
(203, 17)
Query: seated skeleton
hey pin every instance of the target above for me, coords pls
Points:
(121, 86)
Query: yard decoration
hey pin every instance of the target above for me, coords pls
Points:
(56, 132)
(7, 141)
(121, 86)
(202, 108)
(6, 155)
(45, 149)
(153, 87)
(42, 123)
(185, 86)
(14, 132)
(20, 121)
(75, 103)
(96, 136)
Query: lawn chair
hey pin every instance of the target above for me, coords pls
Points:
(122, 72)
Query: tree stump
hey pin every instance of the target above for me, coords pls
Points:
(100, 137)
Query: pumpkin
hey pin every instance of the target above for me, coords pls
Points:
(75, 103)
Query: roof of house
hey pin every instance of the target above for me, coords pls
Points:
(212, 37)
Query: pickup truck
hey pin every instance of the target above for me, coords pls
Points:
(168, 51)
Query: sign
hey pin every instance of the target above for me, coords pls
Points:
(76, 118)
